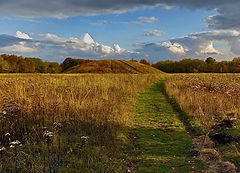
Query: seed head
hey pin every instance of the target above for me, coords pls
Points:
(48, 136)
(84, 139)
(7, 135)
(15, 143)
(58, 126)
(2, 149)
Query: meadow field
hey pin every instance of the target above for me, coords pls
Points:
(81, 122)
(209, 97)
(210, 102)
(66, 123)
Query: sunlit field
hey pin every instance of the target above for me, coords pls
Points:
(81, 122)
(66, 122)
(208, 97)
(210, 100)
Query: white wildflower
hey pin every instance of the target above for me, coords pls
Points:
(7, 134)
(2, 149)
(84, 138)
(15, 143)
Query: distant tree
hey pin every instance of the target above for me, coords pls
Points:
(70, 62)
(183, 66)
(52, 67)
(22, 66)
(212, 65)
(210, 60)
(4, 67)
(4, 56)
(31, 65)
(223, 67)
(143, 61)
(191, 66)
(235, 65)
(133, 60)
(236, 60)
(39, 67)
(166, 66)
(12, 60)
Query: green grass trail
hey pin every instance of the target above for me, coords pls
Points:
(160, 141)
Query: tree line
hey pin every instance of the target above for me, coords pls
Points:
(210, 65)
(19, 64)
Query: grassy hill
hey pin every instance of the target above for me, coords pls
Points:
(113, 66)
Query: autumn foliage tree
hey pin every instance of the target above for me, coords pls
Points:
(18, 64)
(31, 65)
(210, 65)
(22, 66)
(39, 67)
(70, 62)
(12, 60)
(133, 60)
(4, 67)
(143, 61)
(51, 67)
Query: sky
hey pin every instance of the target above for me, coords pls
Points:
(154, 30)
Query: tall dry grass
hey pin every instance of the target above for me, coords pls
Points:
(93, 110)
(207, 97)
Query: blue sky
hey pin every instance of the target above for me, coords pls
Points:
(154, 31)
(177, 22)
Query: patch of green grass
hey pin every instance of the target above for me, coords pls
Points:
(230, 152)
(161, 139)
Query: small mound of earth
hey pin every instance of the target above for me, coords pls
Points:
(199, 143)
(204, 148)
(113, 66)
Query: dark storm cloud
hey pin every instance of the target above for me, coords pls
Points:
(228, 16)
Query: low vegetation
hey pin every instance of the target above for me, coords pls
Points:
(66, 123)
(85, 122)
(210, 65)
(113, 66)
(160, 140)
(19, 64)
(212, 103)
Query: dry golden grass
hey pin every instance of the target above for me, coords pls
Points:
(92, 105)
(208, 97)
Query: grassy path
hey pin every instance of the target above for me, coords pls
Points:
(160, 141)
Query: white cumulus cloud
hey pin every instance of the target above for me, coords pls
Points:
(21, 47)
(53, 46)
(22, 35)
(195, 45)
